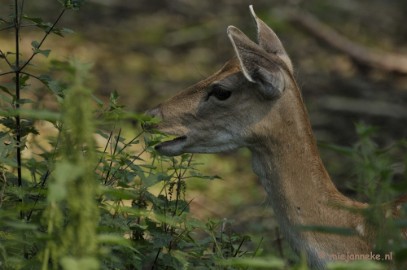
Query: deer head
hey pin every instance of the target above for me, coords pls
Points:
(228, 110)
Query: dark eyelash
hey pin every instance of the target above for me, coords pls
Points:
(219, 93)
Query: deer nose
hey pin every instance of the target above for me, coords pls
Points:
(156, 113)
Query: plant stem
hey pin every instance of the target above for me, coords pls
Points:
(6, 59)
(43, 39)
(17, 101)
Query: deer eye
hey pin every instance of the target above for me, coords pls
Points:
(219, 93)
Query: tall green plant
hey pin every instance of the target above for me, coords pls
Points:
(73, 187)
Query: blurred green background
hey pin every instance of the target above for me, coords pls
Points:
(149, 50)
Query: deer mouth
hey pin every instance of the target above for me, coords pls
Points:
(173, 147)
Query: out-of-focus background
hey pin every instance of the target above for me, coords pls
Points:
(349, 58)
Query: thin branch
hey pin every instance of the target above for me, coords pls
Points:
(127, 165)
(131, 162)
(43, 39)
(6, 73)
(7, 27)
(104, 151)
(33, 76)
(113, 154)
(6, 59)
(45, 177)
(17, 100)
(21, 26)
(130, 142)
(389, 62)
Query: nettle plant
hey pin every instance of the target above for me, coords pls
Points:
(78, 204)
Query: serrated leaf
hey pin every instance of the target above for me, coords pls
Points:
(35, 20)
(120, 194)
(44, 52)
(52, 85)
(61, 31)
(35, 44)
(5, 90)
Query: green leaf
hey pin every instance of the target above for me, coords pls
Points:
(152, 179)
(64, 172)
(36, 49)
(112, 239)
(44, 52)
(35, 20)
(53, 85)
(38, 22)
(71, 4)
(20, 225)
(72, 263)
(119, 194)
(5, 90)
(61, 31)
(32, 114)
(35, 44)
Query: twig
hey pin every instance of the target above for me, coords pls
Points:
(113, 153)
(45, 177)
(31, 75)
(43, 39)
(6, 59)
(390, 62)
(104, 151)
(6, 73)
(17, 100)
(371, 107)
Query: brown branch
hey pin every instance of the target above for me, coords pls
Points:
(390, 62)
(372, 107)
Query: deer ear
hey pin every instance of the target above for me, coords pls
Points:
(253, 62)
(269, 41)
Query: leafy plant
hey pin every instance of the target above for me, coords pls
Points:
(378, 176)
(87, 201)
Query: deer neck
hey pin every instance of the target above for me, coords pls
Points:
(286, 159)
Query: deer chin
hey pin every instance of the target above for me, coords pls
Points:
(173, 147)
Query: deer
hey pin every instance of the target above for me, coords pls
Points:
(253, 101)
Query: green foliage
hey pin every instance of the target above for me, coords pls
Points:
(374, 175)
(92, 201)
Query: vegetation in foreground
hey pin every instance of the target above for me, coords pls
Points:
(86, 197)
